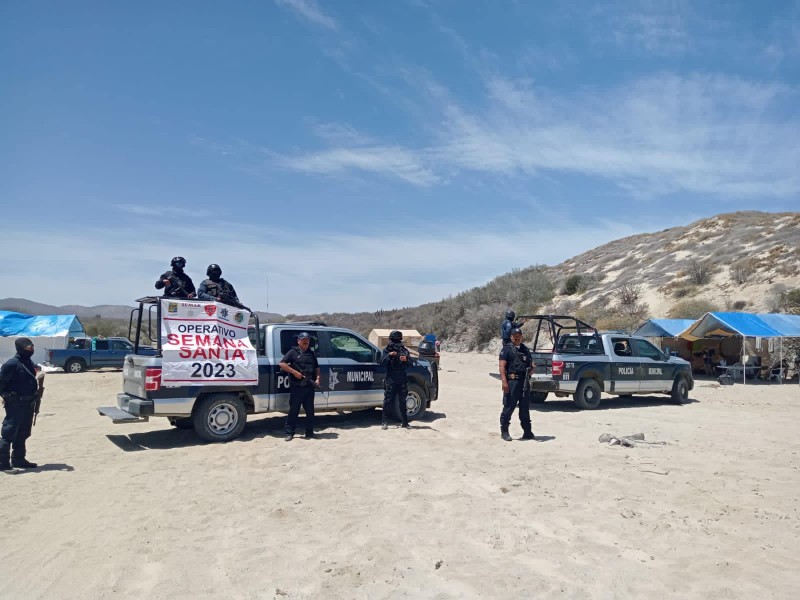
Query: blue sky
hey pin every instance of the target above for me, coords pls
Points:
(365, 155)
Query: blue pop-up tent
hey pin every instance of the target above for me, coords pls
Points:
(746, 325)
(46, 331)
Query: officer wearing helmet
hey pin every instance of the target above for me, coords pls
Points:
(508, 325)
(515, 365)
(216, 288)
(396, 360)
(176, 283)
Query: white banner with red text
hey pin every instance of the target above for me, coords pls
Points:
(205, 343)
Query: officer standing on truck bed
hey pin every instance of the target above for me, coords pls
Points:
(217, 288)
(515, 364)
(301, 363)
(508, 325)
(19, 387)
(396, 360)
(176, 283)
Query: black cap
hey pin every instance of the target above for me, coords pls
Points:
(515, 331)
(303, 336)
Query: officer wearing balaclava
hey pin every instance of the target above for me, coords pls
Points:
(175, 282)
(18, 387)
(216, 287)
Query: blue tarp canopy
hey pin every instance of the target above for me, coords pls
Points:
(663, 327)
(726, 324)
(13, 324)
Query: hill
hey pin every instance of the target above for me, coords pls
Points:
(739, 261)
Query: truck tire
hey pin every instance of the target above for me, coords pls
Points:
(680, 390)
(182, 423)
(416, 403)
(538, 397)
(74, 365)
(219, 417)
(587, 396)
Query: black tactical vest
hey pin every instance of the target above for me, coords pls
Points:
(305, 364)
(520, 362)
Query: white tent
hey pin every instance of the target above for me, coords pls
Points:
(380, 337)
(47, 331)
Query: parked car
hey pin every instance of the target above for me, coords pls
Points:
(93, 353)
(572, 358)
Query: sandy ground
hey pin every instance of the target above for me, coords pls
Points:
(445, 510)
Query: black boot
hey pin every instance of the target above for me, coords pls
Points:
(528, 435)
(289, 437)
(504, 435)
(5, 465)
(384, 422)
(21, 463)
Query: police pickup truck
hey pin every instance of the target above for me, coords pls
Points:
(572, 358)
(351, 378)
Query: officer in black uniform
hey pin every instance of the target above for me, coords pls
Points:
(508, 325)
(176, 283)
(396, 360)
(19, 387)
(301, 363)
(515, 363)
(217, 288)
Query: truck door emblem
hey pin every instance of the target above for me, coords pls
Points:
(333, 379)
(210, 309)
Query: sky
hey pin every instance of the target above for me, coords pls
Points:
(356, 155)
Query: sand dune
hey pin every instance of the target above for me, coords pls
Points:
(446, 510)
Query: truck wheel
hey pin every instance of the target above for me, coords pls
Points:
(74, 365)
(219, 417)
(588, 394)
(538, 397)
(182, 423)
(416, 403)
(680, 391)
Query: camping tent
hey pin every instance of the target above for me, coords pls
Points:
(380, 337)
(745, 325)
(48, 331)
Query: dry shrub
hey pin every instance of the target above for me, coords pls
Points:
(692, 309)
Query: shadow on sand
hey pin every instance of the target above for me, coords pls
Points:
(259, 428)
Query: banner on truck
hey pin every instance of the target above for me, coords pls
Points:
(205, 343)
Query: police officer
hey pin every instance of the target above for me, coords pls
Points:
(217, 288)
(301, 363)
(508, 325)
(18, 387)
(396, 360)
(515, 362)
(176, 283)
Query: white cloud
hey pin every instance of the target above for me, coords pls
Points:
(322, 273)
(709, 134)
(390, 161)
(308, 10)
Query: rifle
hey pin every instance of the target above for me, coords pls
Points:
(39, 393)
(401, 351)
(178, 290)
(232, 300)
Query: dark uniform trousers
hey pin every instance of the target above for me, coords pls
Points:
(16, 426)
(395, 390)
(300, 395)
(516, 396)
